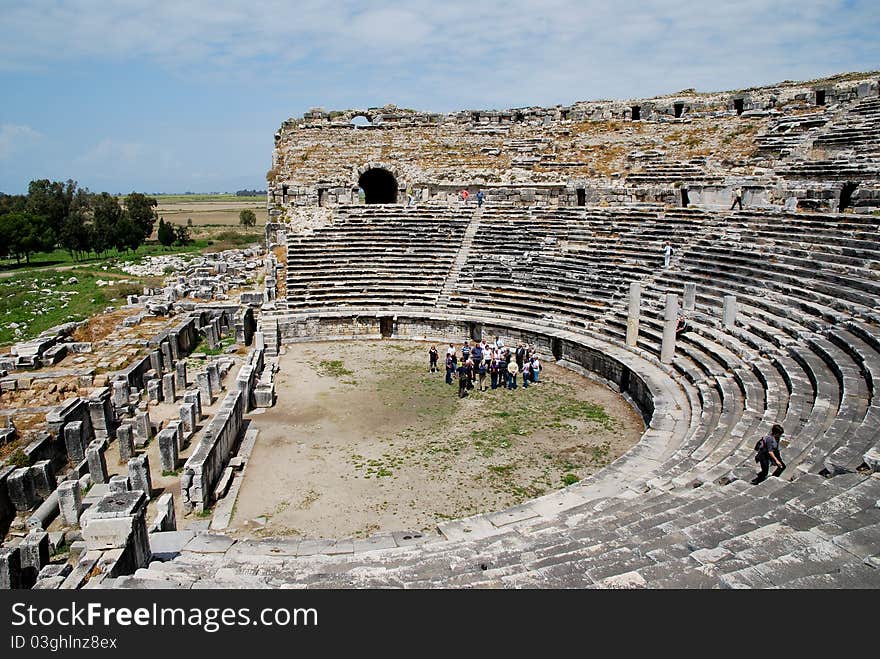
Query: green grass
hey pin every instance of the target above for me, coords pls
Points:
(37, 301)
(334, 368)
(60, 257)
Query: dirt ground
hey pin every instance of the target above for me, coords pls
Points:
(212, 212)
(364, 439)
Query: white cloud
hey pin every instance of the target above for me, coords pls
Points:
(14, 138)
(516, 41)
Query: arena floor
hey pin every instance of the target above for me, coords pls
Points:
(364, 439)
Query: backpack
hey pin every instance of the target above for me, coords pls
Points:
(759, 447)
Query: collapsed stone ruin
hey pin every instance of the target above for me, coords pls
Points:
(369, 239)
(80, 483)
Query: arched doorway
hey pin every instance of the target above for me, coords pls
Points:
(379, 186)
(846, 196)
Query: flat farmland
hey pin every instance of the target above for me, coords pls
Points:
(205, 211)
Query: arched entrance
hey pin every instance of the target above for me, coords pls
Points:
(379, 186)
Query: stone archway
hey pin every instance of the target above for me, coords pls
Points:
(379, 186)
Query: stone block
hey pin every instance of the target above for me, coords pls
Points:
(97, 462)
(70, 502)
(139, 475)
(44, 478)
(168, 449)
(188, 417)
(125, 440)
(143, 429)
(195, 397)
(180, 375)
(119, 483)
(205, 388)
(166, 519)
(214, 377)
(154, 391)
(34, 555)
(22, 491)
(177, 426)
(168, 388)
(10, 568)
(74, 441)
(121, 393)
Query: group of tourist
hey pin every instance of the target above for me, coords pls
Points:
(500, 363)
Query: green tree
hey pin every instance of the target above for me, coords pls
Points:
(24, 234)
(76, 234)
(182, 236)
(166, 233)
(139, 208)
(247, 218)
(128, 234)
(51, 200)
(106, 214)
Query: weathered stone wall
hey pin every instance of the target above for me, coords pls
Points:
(528, 156)
(210, 457)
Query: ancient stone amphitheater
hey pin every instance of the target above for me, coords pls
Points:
(369, 239)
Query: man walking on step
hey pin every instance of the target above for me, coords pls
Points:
(737, 199)
(768, 449)
(667, 254)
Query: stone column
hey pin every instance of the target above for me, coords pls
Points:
(670, 320)
(74, 441)
(168, 389)
(180, 375)
(205, 390)
(139, 475)
(728, 314)
(70, 501)
(97, 462)
(10, 568)
(632, 316)
(168, 449)
(690, 296)
(125, 439)
(259, 341)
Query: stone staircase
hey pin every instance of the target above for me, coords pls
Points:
(449, 285)
(809, 533)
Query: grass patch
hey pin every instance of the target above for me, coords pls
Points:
(569, 479)
(334, 368)
(18, 459)
(32, 303)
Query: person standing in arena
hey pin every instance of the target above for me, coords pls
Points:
(667, 254)
(433, 355)
(512, 371)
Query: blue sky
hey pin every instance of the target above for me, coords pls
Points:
(169, 95)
